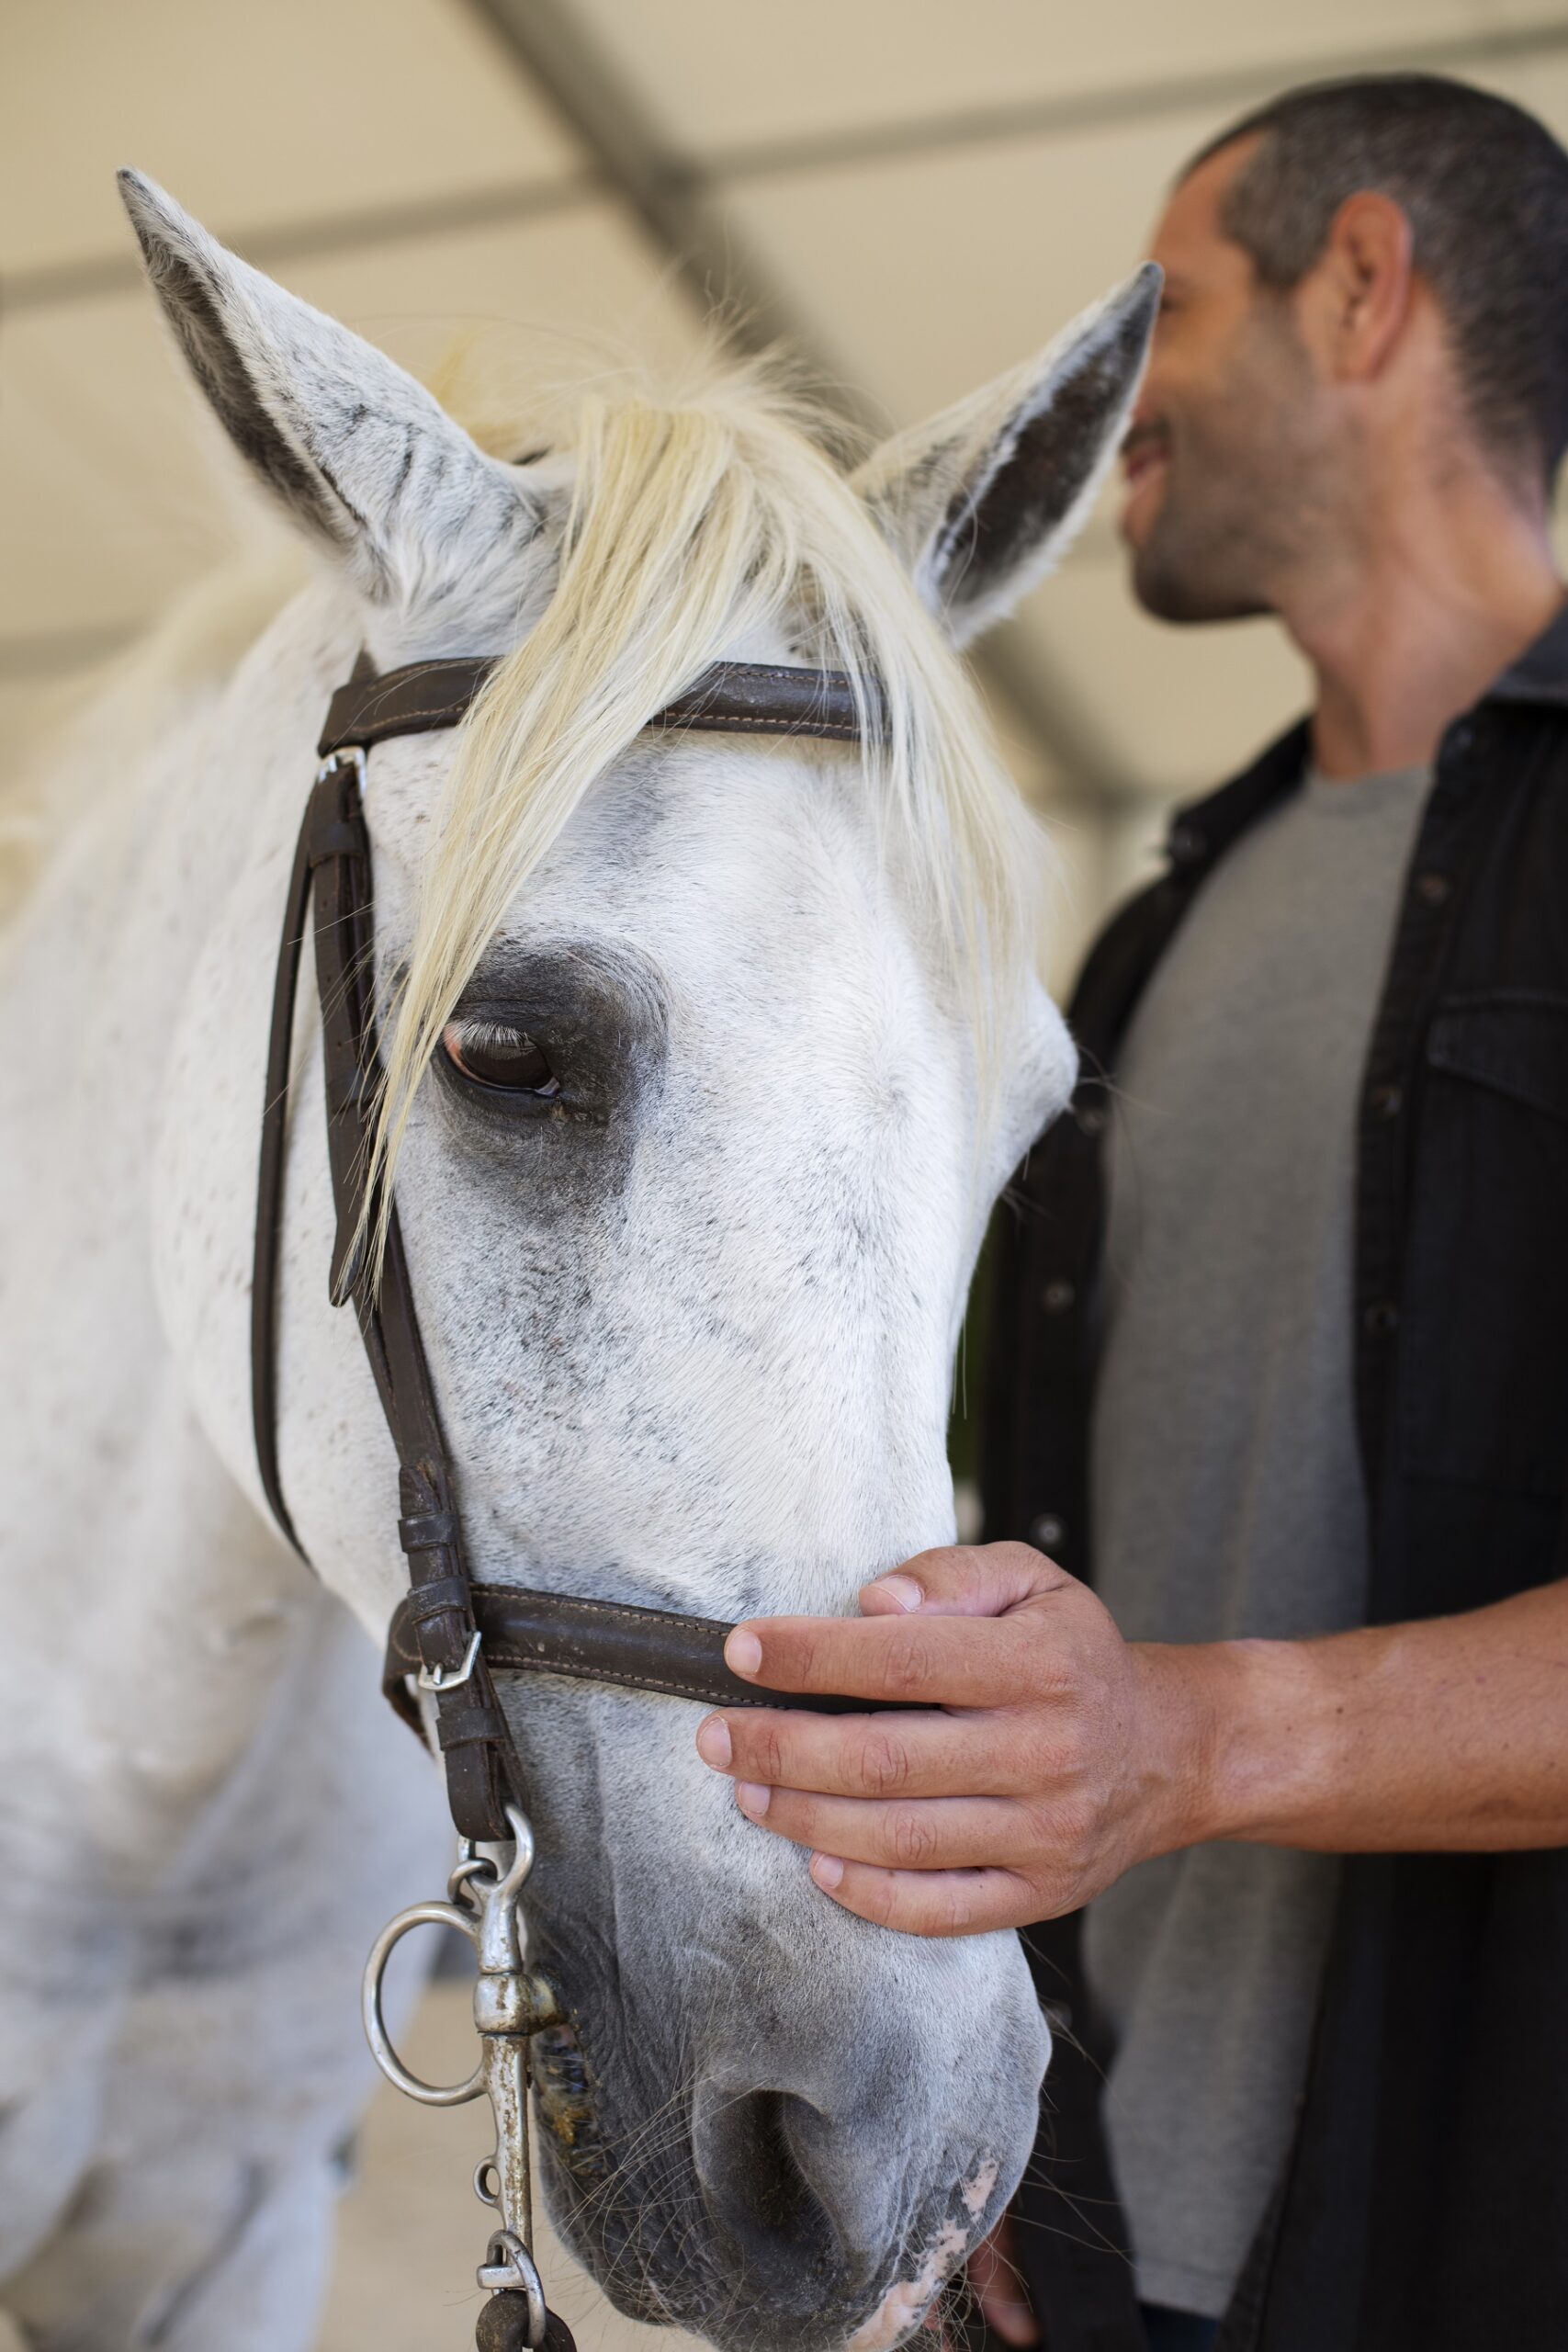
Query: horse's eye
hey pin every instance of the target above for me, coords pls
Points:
(492, 1052)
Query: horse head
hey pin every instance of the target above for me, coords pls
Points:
(708, 1055)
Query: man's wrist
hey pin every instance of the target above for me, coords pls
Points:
(1248, 1735)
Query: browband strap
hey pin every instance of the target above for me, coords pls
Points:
(732, 697)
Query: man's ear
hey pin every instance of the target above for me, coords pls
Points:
(983, 500)
(361, 457)
(1366, 267)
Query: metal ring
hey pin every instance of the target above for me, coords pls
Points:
(418, 1915)
(472, 1879)
(509, 2269)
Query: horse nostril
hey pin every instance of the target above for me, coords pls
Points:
(783, 2197)
(753, 2157)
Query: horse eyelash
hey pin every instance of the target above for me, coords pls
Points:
(482, 1030)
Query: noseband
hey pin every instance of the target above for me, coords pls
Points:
(450, 1636)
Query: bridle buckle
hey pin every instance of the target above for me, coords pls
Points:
(438, 1677)
(352, 756)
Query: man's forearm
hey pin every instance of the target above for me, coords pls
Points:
(1447, 1734)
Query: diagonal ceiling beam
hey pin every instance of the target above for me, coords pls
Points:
(669, 194)
(672, 200)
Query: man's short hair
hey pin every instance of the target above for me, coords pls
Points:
(1485, 188)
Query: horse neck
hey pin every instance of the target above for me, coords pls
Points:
(174, 1600)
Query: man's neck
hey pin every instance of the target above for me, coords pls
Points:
(1442, 591)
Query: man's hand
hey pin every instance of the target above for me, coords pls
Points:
(1060, 1755)
(1064, 1755)
(998, 2288)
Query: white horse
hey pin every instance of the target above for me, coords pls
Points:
(692, 1345)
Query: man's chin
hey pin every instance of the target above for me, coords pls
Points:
(1186, 594)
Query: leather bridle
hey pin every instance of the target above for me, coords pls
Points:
(450, 1636)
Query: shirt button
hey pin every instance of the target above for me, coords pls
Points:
(1090, 1118)
(1187, 844)
(1387, 1102)
(1046, 1531)
(1057, 1296)
(1461, 738)
(1381, 1318)
(1433, 888)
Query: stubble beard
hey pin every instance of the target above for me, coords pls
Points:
(1199, 561)
(1241, 494)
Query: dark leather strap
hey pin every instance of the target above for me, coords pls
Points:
(270, 1191)
(331, 865)
(604, 1640)
(742, 697)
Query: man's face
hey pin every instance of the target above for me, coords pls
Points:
(1224, 459)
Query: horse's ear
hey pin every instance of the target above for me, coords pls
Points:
(984, 499)
(360, 455)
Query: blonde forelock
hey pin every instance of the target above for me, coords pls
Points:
(695, 527)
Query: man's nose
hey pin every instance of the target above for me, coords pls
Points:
(1149, 407)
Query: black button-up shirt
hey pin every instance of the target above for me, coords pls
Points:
(1425, 2208)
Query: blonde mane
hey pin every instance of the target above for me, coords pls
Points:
(695, 527)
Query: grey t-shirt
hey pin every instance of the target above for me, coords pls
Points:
(1227, 1491)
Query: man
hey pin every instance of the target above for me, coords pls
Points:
(1303, 1752)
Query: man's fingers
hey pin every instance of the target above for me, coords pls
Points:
(964, 1581)
(927, 1903)
(944, 1833)
(1000, 2290)
(945, 1661)
(892, 1755)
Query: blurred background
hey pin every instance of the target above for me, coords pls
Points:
(916, 192)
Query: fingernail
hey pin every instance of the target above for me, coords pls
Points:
(752, 1800)
(903, 1589)
(714, 1744)
(742, 1652)
(827, 1869)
